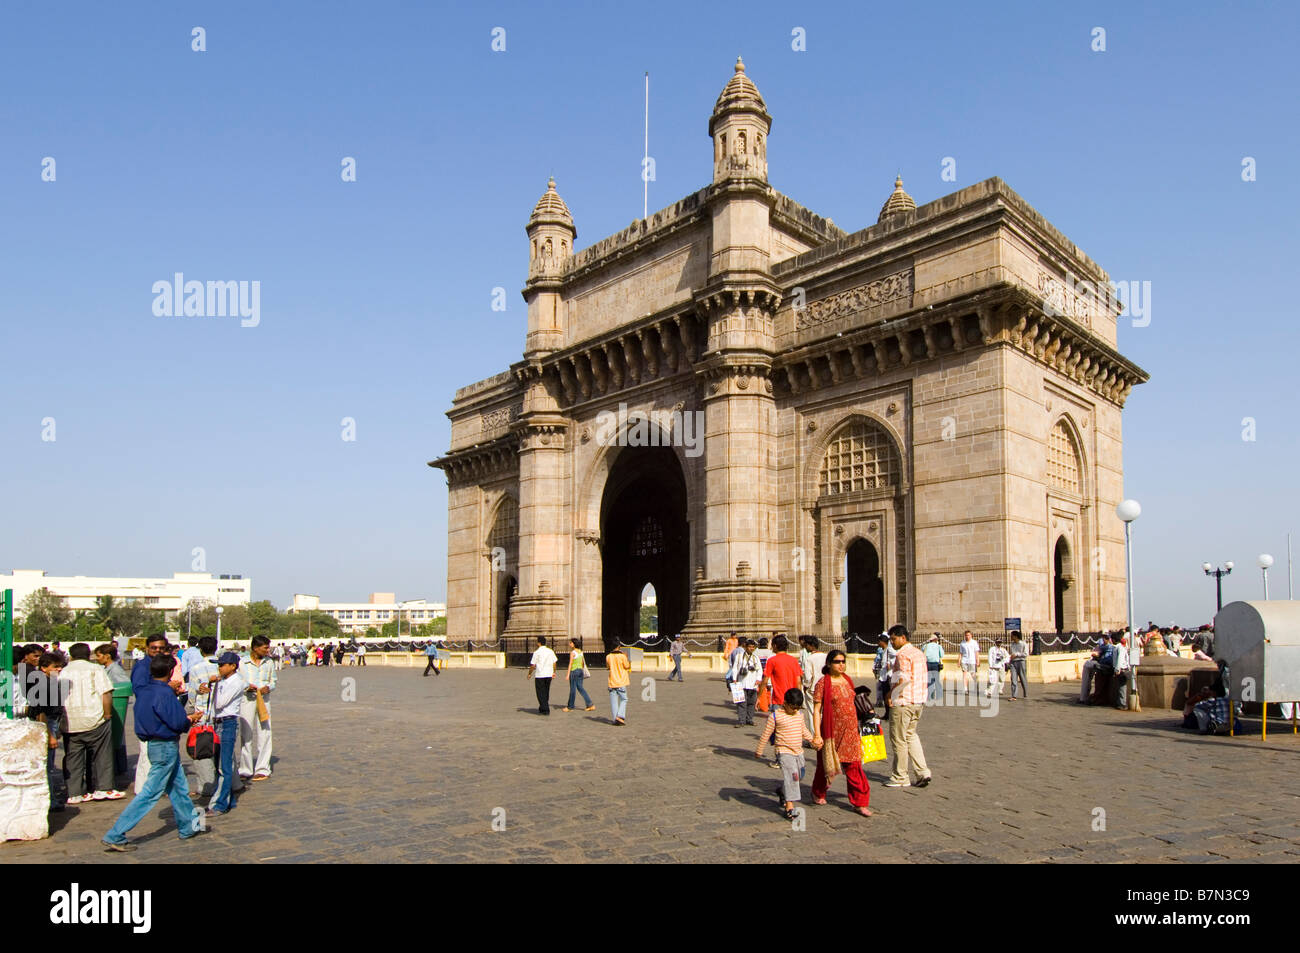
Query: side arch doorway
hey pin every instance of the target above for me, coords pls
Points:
(645, 539)
(864, 592)
(1064, 595)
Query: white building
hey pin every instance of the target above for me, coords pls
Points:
(354, 618)
(170, 595)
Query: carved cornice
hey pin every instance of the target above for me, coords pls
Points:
(736, 373)
(658, 348)
(540, 432)
(1008, 314)
(495, 459)
(730, 297)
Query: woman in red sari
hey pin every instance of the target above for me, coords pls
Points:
(837, 723)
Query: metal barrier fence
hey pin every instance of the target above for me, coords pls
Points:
(519, 648)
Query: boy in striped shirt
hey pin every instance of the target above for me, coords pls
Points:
(787, 725)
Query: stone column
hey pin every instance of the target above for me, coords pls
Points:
(740, 591)
(545, 536)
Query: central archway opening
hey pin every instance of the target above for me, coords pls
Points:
(645, 541)
(864, 594)
(649, 612)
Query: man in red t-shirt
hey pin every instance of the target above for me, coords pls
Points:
(783, 671)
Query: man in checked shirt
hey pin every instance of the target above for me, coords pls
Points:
(258, 670)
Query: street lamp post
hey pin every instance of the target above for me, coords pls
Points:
(219, 611)
(1218, 575)
(1264, 562)
(1128, 511)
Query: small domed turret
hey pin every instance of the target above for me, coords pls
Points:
(551, 233)
(739, 127)
(899, 201)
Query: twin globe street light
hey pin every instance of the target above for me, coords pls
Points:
(1218, 575)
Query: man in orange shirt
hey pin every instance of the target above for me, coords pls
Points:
(782, 672)
(619, 670)
(908, 689)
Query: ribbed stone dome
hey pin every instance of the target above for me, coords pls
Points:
(550, 209)
(898, 201)
(739, 95)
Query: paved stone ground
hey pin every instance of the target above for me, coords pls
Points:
(414, 768)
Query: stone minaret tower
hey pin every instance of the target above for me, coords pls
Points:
(550, 244)
(542, 430)
(739, 590)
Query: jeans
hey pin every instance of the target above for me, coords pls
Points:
(432, 664)
(618, 702)
(677, 668)
(934, 690)
(575, 688)
(53, 771)
(228, 733)
(745, 709)
(543, 686)
(1018, 674)
(1121, 690)
(165, 777)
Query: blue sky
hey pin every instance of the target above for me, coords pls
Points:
(175, 433)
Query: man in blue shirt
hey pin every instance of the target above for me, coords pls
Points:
(190, 657)
(159, 717)
(154, 646)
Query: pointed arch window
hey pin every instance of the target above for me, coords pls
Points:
(861, 457)
(1062, 460)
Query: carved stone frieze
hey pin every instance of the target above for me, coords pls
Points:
(873, 293)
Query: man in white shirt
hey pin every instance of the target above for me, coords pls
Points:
(1123, 664)
(361, 653)
(998, 658)
(746, 673)
(258, 671)
(89, 706)
(968, 652)
(541, 669)
(229, 691)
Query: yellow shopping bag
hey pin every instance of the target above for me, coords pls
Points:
(873, 742)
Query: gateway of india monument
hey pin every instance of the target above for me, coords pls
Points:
(759, 414)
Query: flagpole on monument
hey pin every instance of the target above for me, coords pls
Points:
(645, 176)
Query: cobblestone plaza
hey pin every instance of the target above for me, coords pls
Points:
(422, 770)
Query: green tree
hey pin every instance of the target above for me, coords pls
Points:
(43, 612)
(309, 623)
(263, 617)
(430, 629)
(107, 613)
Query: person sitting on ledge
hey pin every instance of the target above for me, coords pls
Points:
(1100, 664)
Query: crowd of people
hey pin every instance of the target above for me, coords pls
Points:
(222, 695)
(812, 703)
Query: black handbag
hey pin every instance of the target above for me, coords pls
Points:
(862, 705)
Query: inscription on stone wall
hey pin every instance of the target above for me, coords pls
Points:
(1060, 297)
(873, 293)
(501, 417)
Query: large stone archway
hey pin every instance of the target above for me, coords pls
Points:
(645, 538)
